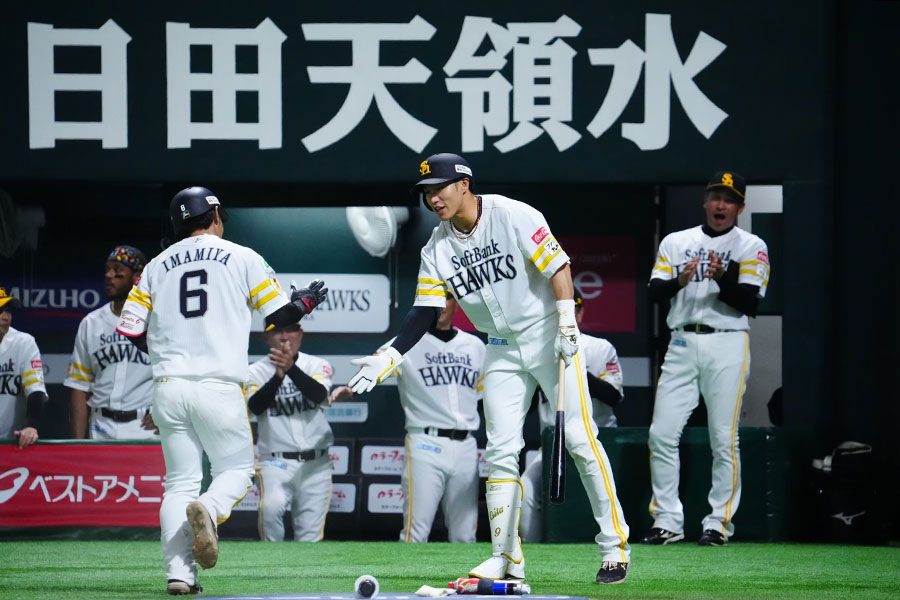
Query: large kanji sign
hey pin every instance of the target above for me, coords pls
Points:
(65, 485)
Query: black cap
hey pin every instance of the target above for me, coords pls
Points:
(442, 168)
(7, 302)
(729, 180)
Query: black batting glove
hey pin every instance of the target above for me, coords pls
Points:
(306, 299)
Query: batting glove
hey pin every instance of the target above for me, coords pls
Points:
(306, 299)
(567, 339)
(374, 369)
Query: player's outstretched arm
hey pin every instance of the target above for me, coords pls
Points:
(378, 367)
(303, 302)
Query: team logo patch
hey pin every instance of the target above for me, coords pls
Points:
(185, 213)
(612, 367)
(464, 170)
(327, 370)
(36, 364)
(539, 235)
(762, 256)
(424, 168)
(212, 200)
(728, 180)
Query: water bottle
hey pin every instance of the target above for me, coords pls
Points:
(489, 587)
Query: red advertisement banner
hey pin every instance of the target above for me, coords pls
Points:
(603, 268)
(51, 486)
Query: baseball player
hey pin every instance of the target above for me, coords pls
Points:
(22, 391)
(108, 376)
(191, 311)
(605, 386)
(497, 257)
(287, 391)
(713, 276)
(440, 384)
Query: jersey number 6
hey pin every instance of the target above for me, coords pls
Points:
(199, 294)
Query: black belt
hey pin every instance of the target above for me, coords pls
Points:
(701, 328)
(453, 434)
(120, 416)
(305, 455)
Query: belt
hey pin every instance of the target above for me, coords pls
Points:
(120, 416)
(305, 455)
(453, 434)
(701, 328)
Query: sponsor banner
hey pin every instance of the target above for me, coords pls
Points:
(68, 485)
(54, 303)
(604, 269)
(382, 460)
(343, 498)
(385, 498)
(340, 459)
(636, 94)
(356, 303)
(347, 412)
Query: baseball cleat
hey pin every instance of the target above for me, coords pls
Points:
(612, 572)
(711, 537)
(177, 587)
(660, 537)
(500, 568)
(206, 542)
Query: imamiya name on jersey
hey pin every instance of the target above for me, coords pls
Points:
(482, 266)
(196, 255)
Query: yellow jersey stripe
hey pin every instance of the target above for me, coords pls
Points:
(663, 269)
(140, 294)
(663, 259)
(604, 471)
(31, 381)
(81, 378)
(407, 527)
(431, 293)
(140, 301)
(734, 425)
(82, 368)
(265, 299)
(432, 281)
(259, 288)
(541, 249)
(753, 272)
(548, 260)
(27, 373)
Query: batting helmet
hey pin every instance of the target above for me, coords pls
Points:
(441, 168)
(189, 204)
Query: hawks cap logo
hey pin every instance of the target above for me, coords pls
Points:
(728, 180)
(424, 168)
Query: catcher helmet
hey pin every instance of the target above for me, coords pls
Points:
(441, 168)
(189, 204)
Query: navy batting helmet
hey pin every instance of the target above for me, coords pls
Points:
(441, 168)
(189, 204)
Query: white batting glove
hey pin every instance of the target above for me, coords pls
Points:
(567, 339)
(374, 369)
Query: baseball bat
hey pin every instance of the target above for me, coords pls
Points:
(558, 455)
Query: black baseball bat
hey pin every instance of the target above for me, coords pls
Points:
(558, 455)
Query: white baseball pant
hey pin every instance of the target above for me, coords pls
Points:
(305, 486)
(511, 373)
(439, 471)
(715, 365)
(197, 416)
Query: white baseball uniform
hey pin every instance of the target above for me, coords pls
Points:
(601, 361)
(116, 375)
(499, 273)
(194, 301)
(294, 426)
(714, 364)
(440, 384)
(21, 374)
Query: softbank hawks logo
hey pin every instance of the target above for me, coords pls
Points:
(481, 266)
(446, 368)
(704, 255)
(347, 300)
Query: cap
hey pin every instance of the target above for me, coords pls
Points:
(729, 180)
(441, 168)
(129, 256)
(7, 301)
